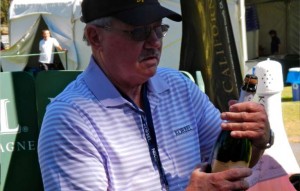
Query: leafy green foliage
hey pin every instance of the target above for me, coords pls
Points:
(4, 11)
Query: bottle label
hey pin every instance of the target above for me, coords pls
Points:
(218, 166)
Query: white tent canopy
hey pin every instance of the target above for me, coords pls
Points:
(61, 18)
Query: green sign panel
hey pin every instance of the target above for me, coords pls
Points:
(48, 85)
(18, 133)
(23, 101)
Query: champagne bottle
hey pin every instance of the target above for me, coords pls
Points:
(232, 152)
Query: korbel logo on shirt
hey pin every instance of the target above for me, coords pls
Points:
(182, 130)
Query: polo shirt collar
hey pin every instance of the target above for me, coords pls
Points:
(106, 92)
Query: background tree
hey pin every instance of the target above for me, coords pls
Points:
(4, 11)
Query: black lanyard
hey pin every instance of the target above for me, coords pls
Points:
(150, 134)
(151, 138)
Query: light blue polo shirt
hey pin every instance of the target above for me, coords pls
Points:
(92, 138)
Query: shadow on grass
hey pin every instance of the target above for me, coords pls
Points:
(287, 95)
(286, 99)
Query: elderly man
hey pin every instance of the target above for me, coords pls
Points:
(125, 124)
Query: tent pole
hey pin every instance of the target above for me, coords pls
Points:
(243, 34)
(66, 56)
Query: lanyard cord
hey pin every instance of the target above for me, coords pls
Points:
(151, 138)
(149, 131)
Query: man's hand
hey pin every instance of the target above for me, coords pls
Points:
(45, 67)
(248, 120)
(232, 179)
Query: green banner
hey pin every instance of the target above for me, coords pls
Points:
(18, 133)
(208, 46)
(48, 85)
(23, 101)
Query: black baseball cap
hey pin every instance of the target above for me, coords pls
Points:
(133, 12)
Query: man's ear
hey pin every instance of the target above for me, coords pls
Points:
(93, 35)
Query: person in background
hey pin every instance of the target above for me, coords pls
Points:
(46, 47)
(275, 42)
(127, 124)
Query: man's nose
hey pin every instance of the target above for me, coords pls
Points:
(153, 39)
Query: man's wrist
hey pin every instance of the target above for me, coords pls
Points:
(271, 139)
(269, 143)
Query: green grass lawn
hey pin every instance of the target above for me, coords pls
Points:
(291, 115)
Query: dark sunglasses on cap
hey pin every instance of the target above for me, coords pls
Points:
(141, 33)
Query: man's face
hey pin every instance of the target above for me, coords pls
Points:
(46, 34)
(128, 62)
